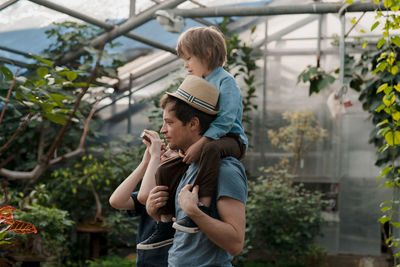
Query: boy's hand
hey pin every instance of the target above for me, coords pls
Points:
(188, 199)
(194, 151)
(153, 142)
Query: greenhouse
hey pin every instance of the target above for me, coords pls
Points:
(80, 81)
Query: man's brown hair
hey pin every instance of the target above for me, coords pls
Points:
(206, 43)
(185, 112)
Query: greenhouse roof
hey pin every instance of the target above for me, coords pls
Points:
(148, 47)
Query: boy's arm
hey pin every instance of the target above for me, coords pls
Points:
(149, 181)
(230, 99)
(121, 197)
(194, 151)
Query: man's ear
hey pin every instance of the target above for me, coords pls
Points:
(195, 124)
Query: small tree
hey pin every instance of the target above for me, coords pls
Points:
(297, 137)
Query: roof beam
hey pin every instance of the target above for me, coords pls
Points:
(7, 4)
(125, 27)
(101, 24)
(29, 55)
(14, 62)
(267, 10)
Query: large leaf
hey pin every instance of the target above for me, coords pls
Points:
(6, 215)
(392, 139)
(19, 227)
(8, 75)
(45, 61)
(42, 72)
(57, 118)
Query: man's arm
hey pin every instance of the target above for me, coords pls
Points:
(157, 198)
(228, 232)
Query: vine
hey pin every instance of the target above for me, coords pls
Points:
(388, 62)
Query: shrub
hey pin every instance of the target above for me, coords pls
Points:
(53, 226)
(282, 217)
(110, 261)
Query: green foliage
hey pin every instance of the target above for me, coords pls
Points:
(317, 77)
(94, 175)
(53, 226)
(283, 218)
(46, 98)
(70, 36)
(111, 261)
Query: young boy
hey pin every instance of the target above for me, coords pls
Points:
(203, 50)
(124, 198)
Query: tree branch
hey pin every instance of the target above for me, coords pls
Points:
(8, 96)
(61, 133)
(21, 126)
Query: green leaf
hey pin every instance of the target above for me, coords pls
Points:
(42, 72)
(396, 116)
(382, 123)
(59, 119)
(71, 75)
(375, 25)
(59, 98)
(392, 139)
(383, 148)
(379, 109)
(396, 40)
(382, 87)
(384, 209)
(389, 99)
(397, 87)
(384, 219)
(45, 61)
(385, 171)
(395, 224)
(381, 42)
(8, 75)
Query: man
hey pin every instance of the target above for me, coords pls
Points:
(221, 236)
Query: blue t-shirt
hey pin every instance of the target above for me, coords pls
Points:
(147, 258)
(229, 118)
(196, 249)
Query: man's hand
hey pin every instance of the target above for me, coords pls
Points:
(157, 198)
(188, 200)
(193, 153)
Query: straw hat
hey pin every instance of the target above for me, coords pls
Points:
(199, 94)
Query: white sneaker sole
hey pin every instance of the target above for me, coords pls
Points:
(188, 230)
(154, 245)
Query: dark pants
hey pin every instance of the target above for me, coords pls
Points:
(170, 172)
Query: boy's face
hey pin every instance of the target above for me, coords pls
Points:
(194, 65)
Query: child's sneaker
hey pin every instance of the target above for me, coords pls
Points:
(162, 236)
(187, 225)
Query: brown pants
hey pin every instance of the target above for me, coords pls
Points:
(171, 171)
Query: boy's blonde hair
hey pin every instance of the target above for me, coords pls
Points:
(206, 43)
